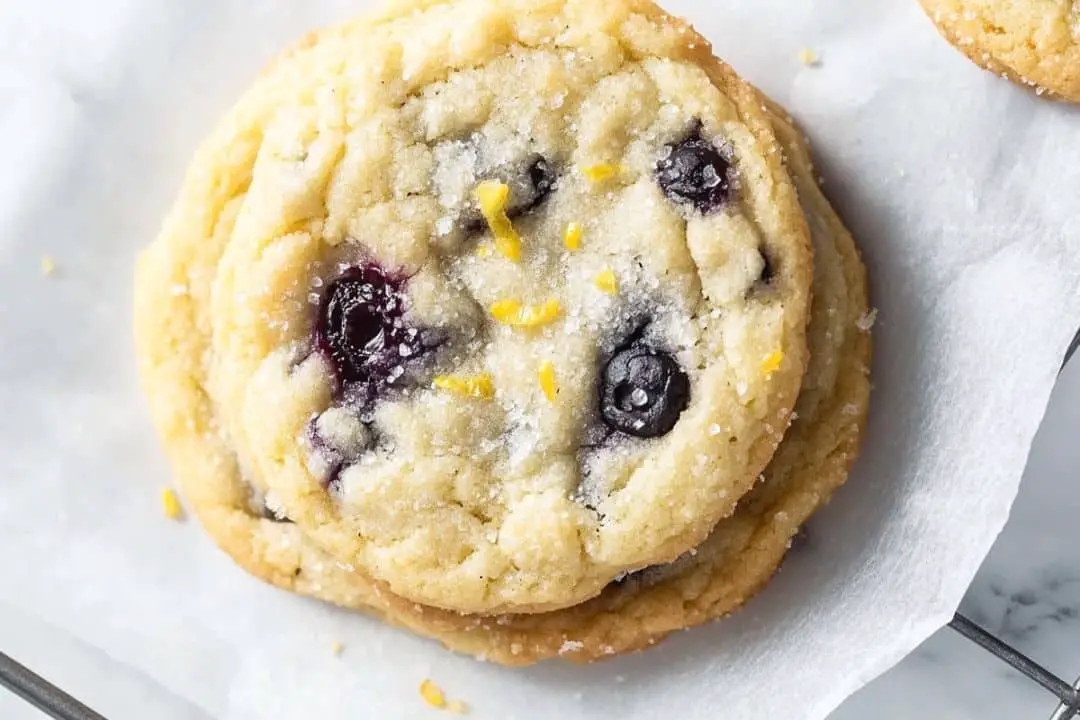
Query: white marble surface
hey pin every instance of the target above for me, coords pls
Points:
(1027, 593)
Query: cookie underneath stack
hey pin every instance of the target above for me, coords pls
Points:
(522, 325)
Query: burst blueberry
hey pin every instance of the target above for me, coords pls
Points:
(693, 172)
(362, 328)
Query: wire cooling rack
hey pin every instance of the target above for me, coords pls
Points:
(56, 703)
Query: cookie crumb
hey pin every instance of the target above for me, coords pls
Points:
(809, 58)
(457, 707)
(337, 647)
(170, 504)
(48, 265)
(867, 320)
(433, 694)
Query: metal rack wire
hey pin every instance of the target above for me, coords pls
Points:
(56, 703)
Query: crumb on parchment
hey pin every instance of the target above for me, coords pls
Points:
(170, 504)
(809, 57)
(48, 265)
(337, 647)
(434, 696)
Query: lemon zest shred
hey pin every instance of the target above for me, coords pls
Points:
(548, 383)
(771, 363)
(432, 694)
(493, 197)
(601, 172)
(475, 386)
(170, 504)
(606, 282)
(572, 236)
(516, 314)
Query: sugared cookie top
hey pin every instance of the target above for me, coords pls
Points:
(516, 296)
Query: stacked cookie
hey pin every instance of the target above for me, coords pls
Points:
(522, 324)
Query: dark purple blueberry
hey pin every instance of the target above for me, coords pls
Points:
(362, 328)
(693, 172)
(643, 391)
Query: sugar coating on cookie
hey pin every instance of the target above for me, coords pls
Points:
(515, 297)
(1033, 42)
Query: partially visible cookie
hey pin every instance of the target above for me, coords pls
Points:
(1032, 42)
(516, 300)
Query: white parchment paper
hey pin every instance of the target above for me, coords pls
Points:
(963, 191)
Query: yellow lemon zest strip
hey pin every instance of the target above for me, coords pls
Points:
(601, 172)
(170, 504)
(477, 386)
(606, 282)
(493, 196)
(548, 382)
(572, 236)
(513, 313)
(772, 362)
(432, 694)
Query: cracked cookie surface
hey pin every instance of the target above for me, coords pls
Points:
(729, 567)
(1033, 42)
(470, 279)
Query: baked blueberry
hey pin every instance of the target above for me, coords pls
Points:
(693, 172)
(643, 391)
(362, 328)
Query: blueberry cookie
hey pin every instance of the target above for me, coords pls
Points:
(632, 613)
(1033, 42)
(516, 297)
